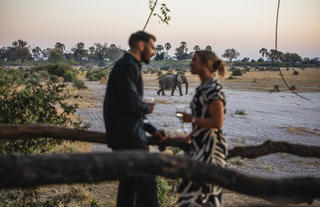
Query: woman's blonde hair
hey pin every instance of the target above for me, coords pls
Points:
(210, 59)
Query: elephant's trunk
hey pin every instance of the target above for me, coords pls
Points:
(187, 87)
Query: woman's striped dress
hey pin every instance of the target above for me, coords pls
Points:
(208, 145)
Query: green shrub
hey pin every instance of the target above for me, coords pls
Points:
(275, 88)
(230, 77)
(54, 69)
(164, 195)
(34, 104)
(293, 87)
(236, 72)
(79, 84)
(54, 78)
(97, 75)
(69, 76)
(295, 73)
(240, 112)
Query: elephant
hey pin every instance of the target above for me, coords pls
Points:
(171, 81)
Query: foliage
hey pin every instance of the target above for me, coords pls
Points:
(79, 84)
(159, 56)
(181, 52)
(275, 55)
(231, 54)
(18, 52)
(33, 102)
(275, 88)
(295, 72)
(97, 75)
(230, 77)
(236, 72)
(69, 76)
(55, 56)
(240, 112)
(164, 195)
(54, 69)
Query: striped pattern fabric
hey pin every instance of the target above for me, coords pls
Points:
(208, 145)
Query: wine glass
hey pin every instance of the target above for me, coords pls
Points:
(180, 109)
(149, 100)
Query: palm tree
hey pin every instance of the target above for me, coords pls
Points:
(264, 52)
(196, 48)
(159, 48)
(167, 46)
(60, 47)
(209, 48)
(113, 46)
(183, 46)
(36, 52)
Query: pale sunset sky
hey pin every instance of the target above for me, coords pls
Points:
(245, 25)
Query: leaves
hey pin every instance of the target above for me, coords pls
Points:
(31, 97)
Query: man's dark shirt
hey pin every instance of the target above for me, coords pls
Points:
(123, 108)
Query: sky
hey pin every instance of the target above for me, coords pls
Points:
(245, 25)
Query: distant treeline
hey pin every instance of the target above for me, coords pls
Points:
(102, 54)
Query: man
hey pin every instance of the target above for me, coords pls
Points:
(124, 114)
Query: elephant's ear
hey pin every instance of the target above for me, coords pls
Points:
(180, 78)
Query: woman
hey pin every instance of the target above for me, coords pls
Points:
(207, 140)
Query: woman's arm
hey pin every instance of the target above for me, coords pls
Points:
(216, 110)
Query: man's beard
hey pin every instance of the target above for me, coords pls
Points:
(144, 56)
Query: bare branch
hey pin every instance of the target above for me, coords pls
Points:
(151, 12)
(13, 132)
(276, 48)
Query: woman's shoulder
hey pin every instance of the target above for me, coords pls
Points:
(214, 84)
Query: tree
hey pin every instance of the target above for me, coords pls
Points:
(183, 46)
(159, 49)
(19, 43)
(230, 54)
(291, 57)
(209, 48)
(167, 46)
(113, 46)
(245, 59)
(113, 53)
(55, 56)
(19, 51)
(196, 48)
(46, 52)
(264, 52)
(2, 53)
(100, 51)
(36, 53)
(79, 52)
(275, 55)
(60, 47)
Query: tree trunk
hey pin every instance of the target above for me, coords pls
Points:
(37, 170)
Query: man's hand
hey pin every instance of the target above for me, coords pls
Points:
(150, 106)
(161, 134)
(187, 117)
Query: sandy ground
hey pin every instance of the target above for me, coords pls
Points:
(265, 166)
(90, 103)
(308, 80)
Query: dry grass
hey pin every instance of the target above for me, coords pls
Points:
(306, 81)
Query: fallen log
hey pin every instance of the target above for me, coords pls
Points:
(37, 170)
(13, 132)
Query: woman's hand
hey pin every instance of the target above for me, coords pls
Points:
(181, 138)
(187, 117)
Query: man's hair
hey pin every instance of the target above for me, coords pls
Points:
(139, 36)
